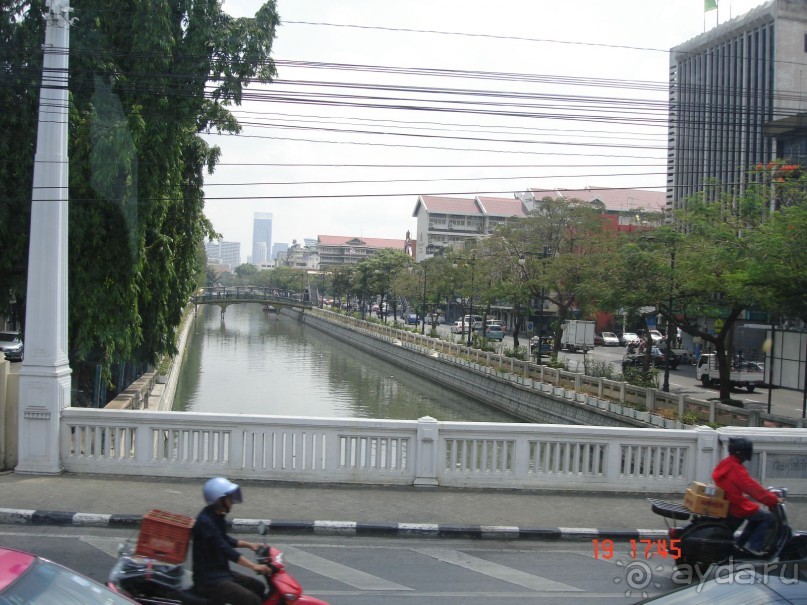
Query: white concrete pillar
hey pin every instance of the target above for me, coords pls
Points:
(426, 452)
(45, 373)
(707, 453)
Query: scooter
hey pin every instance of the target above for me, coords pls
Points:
(708, 540)
(152, 582)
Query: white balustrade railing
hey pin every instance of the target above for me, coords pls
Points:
(403, 452)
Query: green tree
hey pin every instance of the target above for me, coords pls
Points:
(382, 267)
(145, 79)
(559, 242)
(246, 271)
(341, 282)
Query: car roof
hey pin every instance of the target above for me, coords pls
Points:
(13, 563)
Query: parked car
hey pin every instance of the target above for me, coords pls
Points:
(499, 323)
(26, 578)
(609, 339)
(630, 338)
(11, 346)
(459, 327)
(412, 318)
(636, 360)
(763, 584)
(598, 341)
(546, 344)
(436, 317)
(494, 333)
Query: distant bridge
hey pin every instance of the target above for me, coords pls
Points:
(270, 298)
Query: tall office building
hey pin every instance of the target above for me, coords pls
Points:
(261, 237)
(278, 248)
(223, 253)
(736, 99)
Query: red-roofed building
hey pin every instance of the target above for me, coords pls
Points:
(628, 209)
(449, 222)
(335, 250)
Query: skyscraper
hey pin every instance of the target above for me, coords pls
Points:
(261, 237)
(736, 100)
(278, 248)
(223, 253)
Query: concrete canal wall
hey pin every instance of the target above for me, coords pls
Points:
(489, 388)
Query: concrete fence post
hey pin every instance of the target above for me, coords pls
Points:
(577, 377)
(681, 405)
(706, 454)
(613, 462)
(650, 399)
(426, 452)
(754, 417)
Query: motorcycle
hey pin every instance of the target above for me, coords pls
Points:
(152, 582)
(707, 540)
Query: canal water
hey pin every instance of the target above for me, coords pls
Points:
(254, 362)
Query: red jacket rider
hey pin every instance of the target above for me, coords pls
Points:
(733, 478)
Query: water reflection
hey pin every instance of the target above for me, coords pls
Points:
(258, 363)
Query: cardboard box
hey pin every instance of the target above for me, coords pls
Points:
(706, 505)
(707, 489)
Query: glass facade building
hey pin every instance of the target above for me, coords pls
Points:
(261, 237)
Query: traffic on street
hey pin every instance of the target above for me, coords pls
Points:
(682, 379)
(368, 571)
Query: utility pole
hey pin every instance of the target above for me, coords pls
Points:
(45, 373)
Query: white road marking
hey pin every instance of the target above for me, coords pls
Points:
(105, 545)
(494, 570)
(337, 571)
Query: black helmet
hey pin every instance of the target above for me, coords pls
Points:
(741, 447)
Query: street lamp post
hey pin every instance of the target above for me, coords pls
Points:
(363, 290)
(423, 314)
(523, 261)
(472, 262)
(667, 349)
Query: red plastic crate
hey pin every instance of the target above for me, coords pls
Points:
(164, 536)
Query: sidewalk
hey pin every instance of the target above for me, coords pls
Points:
(121, 501)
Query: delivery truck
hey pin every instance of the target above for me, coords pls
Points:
(578, 335)
(746, 374)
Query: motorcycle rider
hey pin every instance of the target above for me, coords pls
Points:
(732, 477)
(213, 550)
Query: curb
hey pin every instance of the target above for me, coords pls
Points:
(10, 516)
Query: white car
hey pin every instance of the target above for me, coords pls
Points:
(459, 327)
(609, 339)
(630, 338)
(656, 336)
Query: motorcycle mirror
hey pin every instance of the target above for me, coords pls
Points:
(262, 528)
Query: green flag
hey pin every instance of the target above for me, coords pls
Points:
(709, 5)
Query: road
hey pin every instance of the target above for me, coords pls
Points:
(368, 571)
(784, 402)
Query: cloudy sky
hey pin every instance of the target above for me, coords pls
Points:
(378, 101)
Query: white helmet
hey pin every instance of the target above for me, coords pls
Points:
(219, 487)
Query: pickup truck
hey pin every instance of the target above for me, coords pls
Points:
(748, 375)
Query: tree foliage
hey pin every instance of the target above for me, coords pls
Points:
(146, 79)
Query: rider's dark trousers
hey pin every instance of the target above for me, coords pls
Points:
(241, 590)
(756, 529)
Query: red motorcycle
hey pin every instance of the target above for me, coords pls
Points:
(152, 582)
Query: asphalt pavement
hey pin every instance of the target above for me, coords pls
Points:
(89, 500)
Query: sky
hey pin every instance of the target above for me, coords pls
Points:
(446, 97)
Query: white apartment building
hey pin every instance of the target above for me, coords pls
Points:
(445, 223)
